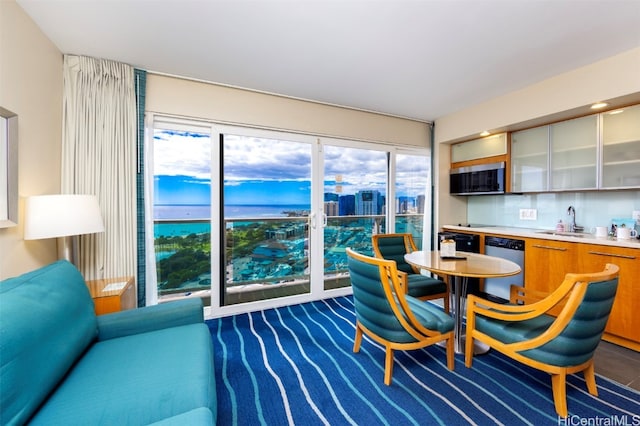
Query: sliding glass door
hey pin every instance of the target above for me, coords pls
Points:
(266, 198)
(355, 182)
(248, 219)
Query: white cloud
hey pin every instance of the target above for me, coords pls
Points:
(251, 158)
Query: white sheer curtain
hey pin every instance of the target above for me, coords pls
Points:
(99, 158)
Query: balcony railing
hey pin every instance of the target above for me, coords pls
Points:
(261, 254)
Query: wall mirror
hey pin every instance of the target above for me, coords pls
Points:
(8, 168)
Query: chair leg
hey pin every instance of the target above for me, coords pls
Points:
(358, 339)
(446, 303)
(590, 378)
(450, 353)
(388, 366)
(559, 385)
(468, 350)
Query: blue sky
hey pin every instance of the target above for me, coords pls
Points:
(176, 190)
(181, 189)
(261, 171)
(268, 192)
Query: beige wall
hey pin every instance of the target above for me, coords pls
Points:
(30, 86)
(171, 95)
(617, 77)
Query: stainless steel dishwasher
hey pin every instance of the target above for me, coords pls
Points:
(509, 249)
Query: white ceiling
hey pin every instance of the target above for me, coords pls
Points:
(418, 59)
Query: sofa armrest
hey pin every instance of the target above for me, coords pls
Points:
(150, 318)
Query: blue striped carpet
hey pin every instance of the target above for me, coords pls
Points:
(295, 366)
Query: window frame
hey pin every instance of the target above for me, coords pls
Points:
(216, 129)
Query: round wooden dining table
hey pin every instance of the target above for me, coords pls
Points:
(459, 270)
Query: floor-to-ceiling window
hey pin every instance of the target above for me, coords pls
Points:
(245, 218)
(412, 183)
(182, 209)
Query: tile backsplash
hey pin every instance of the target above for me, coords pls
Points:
(592, 208)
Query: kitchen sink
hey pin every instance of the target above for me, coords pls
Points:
(564, 234)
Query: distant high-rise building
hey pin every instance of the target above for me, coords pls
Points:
(331, 208)
(347, 205)
(420, 199)
(404, 205)
(369, 203)
(330, 196)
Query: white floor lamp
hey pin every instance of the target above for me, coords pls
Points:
(63, 216)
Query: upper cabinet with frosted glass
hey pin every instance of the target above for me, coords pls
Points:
(488, 147)
(621, 148)
(599, 151)
(556, 157)
(530, 160)
(574, 154)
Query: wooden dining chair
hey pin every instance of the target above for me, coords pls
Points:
(389, 316)
(394, 247)
(558, 334)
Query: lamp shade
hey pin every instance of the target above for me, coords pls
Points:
(51, 216)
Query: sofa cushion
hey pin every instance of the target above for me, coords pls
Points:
(47, 321)
(137, 380)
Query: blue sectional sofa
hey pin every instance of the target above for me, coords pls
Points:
(62, 365)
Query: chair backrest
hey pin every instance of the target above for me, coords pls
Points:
(376, 293)
(394, 247)
(585, 314)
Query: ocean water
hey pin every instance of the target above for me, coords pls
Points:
(203, 212)
(181, 216)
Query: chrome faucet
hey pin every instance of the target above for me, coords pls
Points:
(572, 224)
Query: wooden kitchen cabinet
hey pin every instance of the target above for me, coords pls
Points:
(623, 327)
(547, 262)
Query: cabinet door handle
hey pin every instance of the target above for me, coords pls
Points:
(600, 253)
(549, 247)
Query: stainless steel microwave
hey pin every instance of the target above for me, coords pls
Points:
(478, 180)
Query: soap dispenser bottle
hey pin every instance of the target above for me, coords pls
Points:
(560, 226)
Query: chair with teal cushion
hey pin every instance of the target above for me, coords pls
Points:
(394, 247)
(557, 334)
(389, 316)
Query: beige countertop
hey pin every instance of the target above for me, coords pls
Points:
(546, 234)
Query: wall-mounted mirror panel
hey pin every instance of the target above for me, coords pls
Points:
(8, 168)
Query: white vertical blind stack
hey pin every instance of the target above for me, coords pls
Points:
(151, 277)
(99, 158)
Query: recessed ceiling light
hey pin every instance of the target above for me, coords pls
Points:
(485, 133)
(599, 105)
(617, 111)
